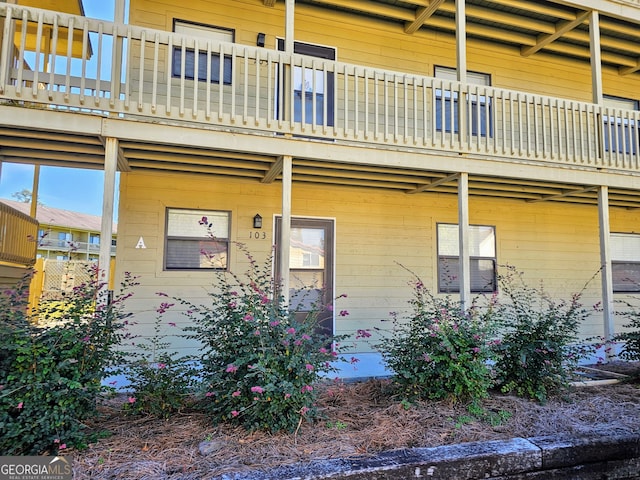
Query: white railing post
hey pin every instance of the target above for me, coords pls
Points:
(6, 47)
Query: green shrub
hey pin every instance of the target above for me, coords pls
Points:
(440, 351)
(631, 338)
(160, 382)
(539, 351)
(259, 364)
(51, 371)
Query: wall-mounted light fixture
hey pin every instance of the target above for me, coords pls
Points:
(257, 221)
(260, 40)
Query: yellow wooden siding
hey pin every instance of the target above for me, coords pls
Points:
(380, 44)
(381, 237)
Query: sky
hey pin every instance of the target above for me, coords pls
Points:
(67, 188)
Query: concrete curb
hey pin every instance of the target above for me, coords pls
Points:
(609, 456)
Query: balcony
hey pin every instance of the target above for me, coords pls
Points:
(69, 63)
(76, 248)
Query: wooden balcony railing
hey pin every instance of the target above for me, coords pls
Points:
(168, 77)
(18, 237)
(70, 246)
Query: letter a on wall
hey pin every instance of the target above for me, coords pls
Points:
(140, 243)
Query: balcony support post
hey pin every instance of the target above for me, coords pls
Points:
(34, 190)
(463, 240)
(284, 241)
(596, 57)
(606, 272)
(461, 41)
(461, 68)
(106, 231)
(116, 67)
(289, 29)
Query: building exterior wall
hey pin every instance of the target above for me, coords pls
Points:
(379, 44)
(380, 236)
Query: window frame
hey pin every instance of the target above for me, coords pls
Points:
(190, 74)
(613, 127)
(618, 263)
(454, 287)
(205, 238)
(444, 100)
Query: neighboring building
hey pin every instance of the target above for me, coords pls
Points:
(364, 133)
(66, 235)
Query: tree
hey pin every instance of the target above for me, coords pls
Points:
(24, 196)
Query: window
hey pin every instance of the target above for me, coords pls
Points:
(447, 111)
(482, 252)
(304, 82)
(94, 239)
(196, 239)
(625, 262)
(64, 239)
(620, 134)
(201, 32)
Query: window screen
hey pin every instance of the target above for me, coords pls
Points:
(625, 262)
(482, 252)
(196, 239)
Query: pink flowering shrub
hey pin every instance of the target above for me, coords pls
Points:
(52, 363)
(161, 382)
(440, 351)
(259, 363)
(539, 349)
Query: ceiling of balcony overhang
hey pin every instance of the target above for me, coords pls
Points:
(530, 26)
(83, 151)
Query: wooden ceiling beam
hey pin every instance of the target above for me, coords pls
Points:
(187, 159)
(210, 169)
(301, 177)
(51, 163)
(567, 193)
(560, 30)
(274, 171)
(630, 69)
(518, 21)
(50, 136)
(50, 145)
(54, 155)
(422, 14)
(374, 8)
(135, 146)
(435, 183)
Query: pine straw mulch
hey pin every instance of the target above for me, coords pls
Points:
(360, 419)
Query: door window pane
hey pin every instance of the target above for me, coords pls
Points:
(312, 88)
